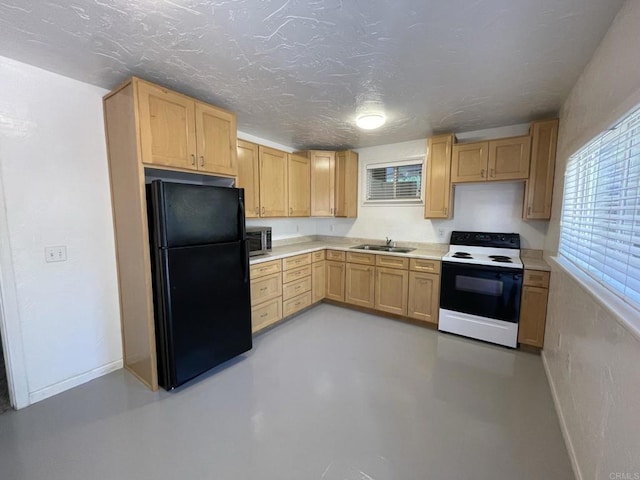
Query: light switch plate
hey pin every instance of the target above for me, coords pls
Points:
(55, 254)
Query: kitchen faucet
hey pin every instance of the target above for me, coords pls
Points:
(389, 242)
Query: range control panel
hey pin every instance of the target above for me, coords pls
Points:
(486, 239)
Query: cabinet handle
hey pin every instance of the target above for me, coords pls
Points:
(492, 173)
(331, 210)
(193, 159)
(482, 173)
(529, 210)
(446, 210)
(263, 210)
(290, 210)
(264, 315)
(202, 160)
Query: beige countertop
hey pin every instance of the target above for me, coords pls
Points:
(535, 264)
(429, 253)
(531, 260)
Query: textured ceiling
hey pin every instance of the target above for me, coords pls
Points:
(296, 72)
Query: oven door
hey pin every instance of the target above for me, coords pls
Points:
(489, 292)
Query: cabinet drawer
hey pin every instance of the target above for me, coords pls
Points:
(392, 262)
(266, 268)
(297, 261)
(296, 304)
(317, 256)
(266, 288)
(298, 287)
(536, 278)
(265, 314)
(336, 255)
(296, 274)
(362, 258)
(422, 265)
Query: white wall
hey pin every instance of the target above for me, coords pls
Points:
(591, 353)
(53, 170)
(493, 207)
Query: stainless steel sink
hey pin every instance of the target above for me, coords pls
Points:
(383, 248)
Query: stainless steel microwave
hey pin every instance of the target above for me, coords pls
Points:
(259, 240)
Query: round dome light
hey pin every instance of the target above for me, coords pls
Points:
(370, 121)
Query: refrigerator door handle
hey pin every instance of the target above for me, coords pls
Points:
(245, 260)
(243, 227)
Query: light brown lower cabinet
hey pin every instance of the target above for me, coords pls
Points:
(391, 290)
(318, 280)
(533, 316)
(265, 314)
(335, 280)
(359, 288)
(295, 304)
(266, 294)
(424, 296)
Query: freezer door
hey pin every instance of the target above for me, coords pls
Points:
(186, 214)
(207, 309)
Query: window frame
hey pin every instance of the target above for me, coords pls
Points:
(568, 248)
(409, 160)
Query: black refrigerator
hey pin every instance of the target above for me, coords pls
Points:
(200, 269)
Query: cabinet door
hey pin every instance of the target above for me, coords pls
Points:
(469, 162)
(509, 158)
(216, 140)
(335, 280)
(346, 186)
(533, 316)
(359, 289)
(424, 297)
(273, 182)
(299, 186)
(391, 290)
(249, 177)
(167, 127)
(322, 183)
(318, 281)
(437, 203)
(543, 160)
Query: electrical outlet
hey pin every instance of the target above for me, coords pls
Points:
(55, 254)
(331, 228)
(441, 233)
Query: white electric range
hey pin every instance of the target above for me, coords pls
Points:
(481, 286)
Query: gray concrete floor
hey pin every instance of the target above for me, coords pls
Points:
(333, 394)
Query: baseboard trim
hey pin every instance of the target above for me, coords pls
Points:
(563, 424)
(69, 383)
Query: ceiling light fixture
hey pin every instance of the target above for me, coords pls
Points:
(370, 121)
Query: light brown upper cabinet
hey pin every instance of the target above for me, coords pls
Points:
(299, 184)
(181, 133)
(509, 158)
(323, 181)
(334, 183)
(438, 183)
(539, 188)
(274, 197)
(216, 140)
(346, 184)
(469, 162)
(249, 177)
(502, 159)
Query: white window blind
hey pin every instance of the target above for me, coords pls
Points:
(394, 182)
(600, 227)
